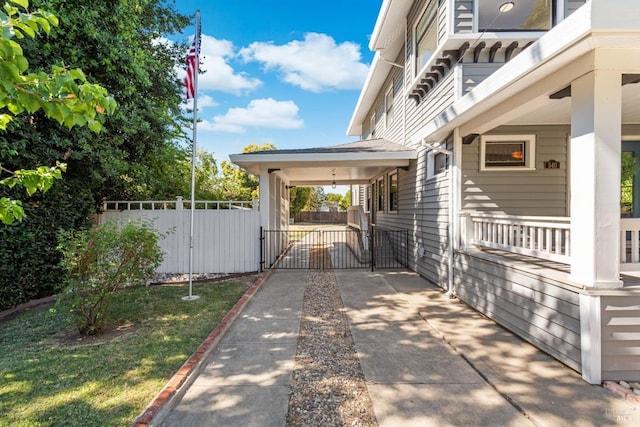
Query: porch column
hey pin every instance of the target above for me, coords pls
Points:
(596, 134)
(265, 197)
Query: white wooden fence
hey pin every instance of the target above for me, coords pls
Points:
(225, 239)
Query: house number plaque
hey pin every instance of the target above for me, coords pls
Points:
(552, 164)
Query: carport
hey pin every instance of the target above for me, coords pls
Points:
(346, 164)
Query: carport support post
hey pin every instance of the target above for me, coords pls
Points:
(264, 190)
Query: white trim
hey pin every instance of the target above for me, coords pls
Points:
(430, 159)
(389, 198)
(529, 155)
(372, 125)
(476, 20)
(591, 338)
(389, 120)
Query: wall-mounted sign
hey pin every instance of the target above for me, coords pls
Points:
(552, 164)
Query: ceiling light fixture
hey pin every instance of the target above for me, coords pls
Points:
(506, 7)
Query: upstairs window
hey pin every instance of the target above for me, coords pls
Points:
(526, 15)
(372, 126)
(388, 106)
(426, 35)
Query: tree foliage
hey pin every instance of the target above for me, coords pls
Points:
(116, 44)
(237, 184)
(62, 94)
(299, 196)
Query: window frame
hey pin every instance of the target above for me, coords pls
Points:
(529, 141)
(431, 167)
(393, 195)
(372, 126)
(553, 10)
(380, 194)
(431, 25)
(388, 106)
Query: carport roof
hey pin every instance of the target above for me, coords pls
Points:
(353, 163)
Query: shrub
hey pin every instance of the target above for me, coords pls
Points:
(99, 262)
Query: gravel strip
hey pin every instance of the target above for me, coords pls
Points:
(328, 386)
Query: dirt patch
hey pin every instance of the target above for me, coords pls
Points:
(73, 339)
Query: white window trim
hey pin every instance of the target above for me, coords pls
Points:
(530, 152)
(389, 191)
(511, 34)
(431, 172)
(414, 57)
(388, 120)
(372, 126)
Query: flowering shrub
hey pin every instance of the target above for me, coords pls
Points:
(99, 262)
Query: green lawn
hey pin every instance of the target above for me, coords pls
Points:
(50, 376)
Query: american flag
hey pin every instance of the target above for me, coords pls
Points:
(192, 64)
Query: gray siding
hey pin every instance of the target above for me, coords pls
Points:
(442, 23)
(442, 96)
(423, 210)
(620, 337)
(534, 307)
(540, 192)
(463, 16)
(474, 74)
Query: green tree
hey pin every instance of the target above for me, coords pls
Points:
(333, 200)
(345, 201)
(237, 184)
(299, 196)
(117, 45)
(62, 94)
(316, 199)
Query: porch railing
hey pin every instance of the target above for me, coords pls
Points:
(542, 237)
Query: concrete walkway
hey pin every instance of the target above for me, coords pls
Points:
(428, 361)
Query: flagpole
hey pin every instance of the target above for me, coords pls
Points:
(192, 297)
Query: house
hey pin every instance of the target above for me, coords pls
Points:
(493, 131)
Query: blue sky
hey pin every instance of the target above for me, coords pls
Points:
(283, 72)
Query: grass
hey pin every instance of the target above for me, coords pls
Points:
(51, 376)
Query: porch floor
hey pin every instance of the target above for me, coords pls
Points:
(552, 269)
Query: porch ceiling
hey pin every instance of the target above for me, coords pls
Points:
(353, 163)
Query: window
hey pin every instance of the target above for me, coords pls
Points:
(380, 194)
(526, 15)
(426, 35)
(437, 163)
(372, 126)
(393, 192)
(507, 152)
(388, 106)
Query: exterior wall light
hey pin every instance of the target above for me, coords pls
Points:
(506, 7)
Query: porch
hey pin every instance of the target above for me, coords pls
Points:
(544, 240)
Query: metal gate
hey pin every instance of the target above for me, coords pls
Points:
(334, 247)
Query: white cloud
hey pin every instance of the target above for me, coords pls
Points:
(316, 63)
(264, 113)
(217, 74)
